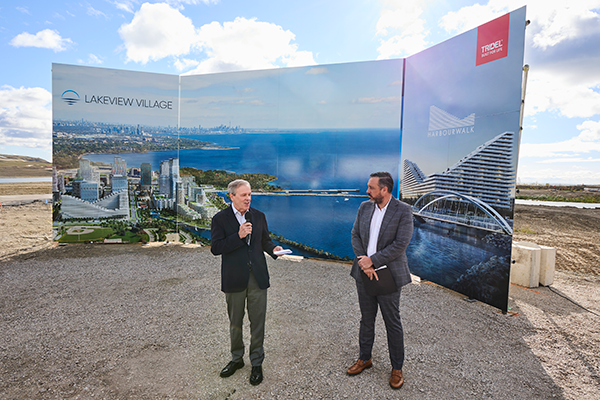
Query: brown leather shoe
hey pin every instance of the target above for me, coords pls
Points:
(396, 380)
(359, 366)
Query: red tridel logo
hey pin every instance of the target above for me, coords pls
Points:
(492, 40)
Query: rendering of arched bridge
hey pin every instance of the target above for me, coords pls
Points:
(460, 209)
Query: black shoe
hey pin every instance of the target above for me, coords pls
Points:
(231, 368)
(256, 376)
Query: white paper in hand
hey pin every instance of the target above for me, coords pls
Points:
(282, 252)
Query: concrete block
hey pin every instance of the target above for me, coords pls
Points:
(547, 261)
(526, 269)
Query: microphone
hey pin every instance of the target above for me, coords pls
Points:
(248, 217)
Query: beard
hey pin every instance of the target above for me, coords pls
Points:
(377, 200)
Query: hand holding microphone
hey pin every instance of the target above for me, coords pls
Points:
(248, 217)
(246, 228)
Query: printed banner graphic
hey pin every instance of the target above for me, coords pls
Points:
(143, 157)
(492, 40)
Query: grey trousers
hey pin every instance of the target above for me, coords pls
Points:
(390, 309)
(256, 300)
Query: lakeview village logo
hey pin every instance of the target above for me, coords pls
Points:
(129, 102)
(71, 97)
(442, 123)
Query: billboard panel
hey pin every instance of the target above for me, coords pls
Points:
(459, 157)
(147, 157)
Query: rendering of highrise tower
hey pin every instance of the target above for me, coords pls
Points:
(119, 166)
(86, 171)
(487, 173)
(146, 180)
(169, 177)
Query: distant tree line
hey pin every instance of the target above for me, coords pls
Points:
(220, 179)
(66, 151)
(554, 193)
(569, 188)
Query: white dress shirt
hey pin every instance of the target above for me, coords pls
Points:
(376, 221)
(238, 215)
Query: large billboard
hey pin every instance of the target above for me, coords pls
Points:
(460, 141)
(146, 157)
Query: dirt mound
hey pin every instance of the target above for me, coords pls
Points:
(574, 232)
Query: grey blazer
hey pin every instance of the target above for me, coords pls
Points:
(394, 237)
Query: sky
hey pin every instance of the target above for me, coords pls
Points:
(560, 143)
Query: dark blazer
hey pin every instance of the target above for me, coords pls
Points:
(236, 255)
(394, 237)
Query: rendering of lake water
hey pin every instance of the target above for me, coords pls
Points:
(321, 160)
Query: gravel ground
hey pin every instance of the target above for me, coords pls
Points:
(149, 322)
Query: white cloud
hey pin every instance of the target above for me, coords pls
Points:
(564, 162)
(245, 44)
(129, 5)
(91, 11)
(25, 117)
(405, 18)
(401, 45)
(563, 21)
(561, 49)
(560, 174)
(590, 131)
(185, 63)
(552, 22)
(24, 10)
(566, 148)
(46, 39)
(191, 2)
(91, 60)
(471, 16)
(587, 141)
(402, 21)
(157, 31)
(126, 6)
(570, 160)
(551, 91)
(299, 59)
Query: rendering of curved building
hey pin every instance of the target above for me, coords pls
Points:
(115, 205)
(487, 173)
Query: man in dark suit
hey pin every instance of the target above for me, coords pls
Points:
(380, 235)
(244, 274)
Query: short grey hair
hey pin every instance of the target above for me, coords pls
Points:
(234, 185)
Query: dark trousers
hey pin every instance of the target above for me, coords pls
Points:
(390, 309)
(256, 300)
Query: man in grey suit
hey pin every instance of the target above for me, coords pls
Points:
(380, 235)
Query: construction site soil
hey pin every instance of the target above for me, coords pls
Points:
(143, 322)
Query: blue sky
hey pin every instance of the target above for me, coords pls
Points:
(561, 137)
